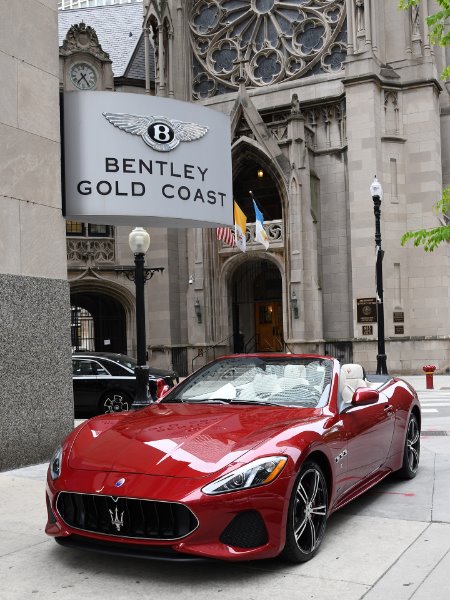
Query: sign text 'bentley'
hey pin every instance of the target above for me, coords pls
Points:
(106, 187)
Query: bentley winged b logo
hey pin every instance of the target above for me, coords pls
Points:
(115, 519)
(160, 133)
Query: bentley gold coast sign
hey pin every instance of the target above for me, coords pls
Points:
(132, 159)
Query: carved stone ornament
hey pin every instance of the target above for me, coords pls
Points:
(275, 40)
(96, 251)
(83, 38)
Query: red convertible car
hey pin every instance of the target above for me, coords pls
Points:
(245, 459)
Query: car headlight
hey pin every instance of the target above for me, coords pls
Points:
(259, 472)
(55, 463)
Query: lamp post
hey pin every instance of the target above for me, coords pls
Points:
(377, 194)
(139, 241)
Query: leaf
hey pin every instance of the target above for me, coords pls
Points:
(430, 239)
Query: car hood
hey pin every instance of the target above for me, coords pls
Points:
(180, 440)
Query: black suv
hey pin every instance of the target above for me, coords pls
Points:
(104, 382)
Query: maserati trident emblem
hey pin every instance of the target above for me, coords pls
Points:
(115, 519)
(160, 133)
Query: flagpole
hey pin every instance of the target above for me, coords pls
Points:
(253, 198)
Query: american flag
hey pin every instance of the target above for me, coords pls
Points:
(226, 235)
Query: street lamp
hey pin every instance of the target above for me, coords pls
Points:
(377, 194)
(139, 241)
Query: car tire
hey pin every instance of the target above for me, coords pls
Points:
(114, 401)
(307, 514)
(411, 451)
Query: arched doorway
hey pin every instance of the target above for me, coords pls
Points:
(98, 323)
(254, 172)
(257, 311)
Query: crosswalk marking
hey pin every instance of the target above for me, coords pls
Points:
(432, 401)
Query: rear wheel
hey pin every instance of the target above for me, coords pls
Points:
(114, 401)
(411, 452)
(307, 516)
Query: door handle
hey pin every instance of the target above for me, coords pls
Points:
(388, 408)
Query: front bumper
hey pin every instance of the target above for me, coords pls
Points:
(223, 520)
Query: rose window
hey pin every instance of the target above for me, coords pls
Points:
(264, 41)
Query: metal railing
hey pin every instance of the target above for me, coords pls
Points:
(275, 234)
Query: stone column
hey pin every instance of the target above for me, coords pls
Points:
(147, 62)
(161, 59)
(171, 61)
(36, 398)
(303, 243)
(350, 27)
(365, 159)
(368, 24)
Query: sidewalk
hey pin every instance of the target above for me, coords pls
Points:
(440, 382)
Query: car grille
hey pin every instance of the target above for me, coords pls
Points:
(126, 517)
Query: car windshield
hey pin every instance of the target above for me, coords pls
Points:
(125, 361)
(300, 381)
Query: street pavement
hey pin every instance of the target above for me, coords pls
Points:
(393, 543)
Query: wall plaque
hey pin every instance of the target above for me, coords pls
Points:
(367, 329)
(399, 317)
(366, 310)
(399, 329)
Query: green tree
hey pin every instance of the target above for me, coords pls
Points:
(439, 33)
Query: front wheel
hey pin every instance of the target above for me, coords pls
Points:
(307, 516)
(411, 451)
(113, 402)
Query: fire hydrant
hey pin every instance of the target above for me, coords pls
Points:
(429, 372)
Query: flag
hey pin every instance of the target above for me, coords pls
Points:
(240, 227)
(260, 233)
(226, 236)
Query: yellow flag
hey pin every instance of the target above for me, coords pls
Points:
(240, 227)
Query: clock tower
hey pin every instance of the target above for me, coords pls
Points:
(84, 65)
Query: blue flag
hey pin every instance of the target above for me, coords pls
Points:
(260, 232)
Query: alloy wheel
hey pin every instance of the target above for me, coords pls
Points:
(115, 403)
(413, 445)
(310, 510)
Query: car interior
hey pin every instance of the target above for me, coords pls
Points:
(352, 377)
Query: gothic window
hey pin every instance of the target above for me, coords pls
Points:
(391, 111)
(265, 41)
(75, 228)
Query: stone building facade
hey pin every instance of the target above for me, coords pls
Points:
(322, 95)
(36, 405)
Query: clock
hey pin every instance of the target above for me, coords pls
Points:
(83, 76)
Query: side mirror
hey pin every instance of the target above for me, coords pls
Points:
(365, 396)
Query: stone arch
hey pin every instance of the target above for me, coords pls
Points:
(229, 271)
(247, 155)
(93, 291)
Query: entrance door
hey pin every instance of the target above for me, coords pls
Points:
(269, 326)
